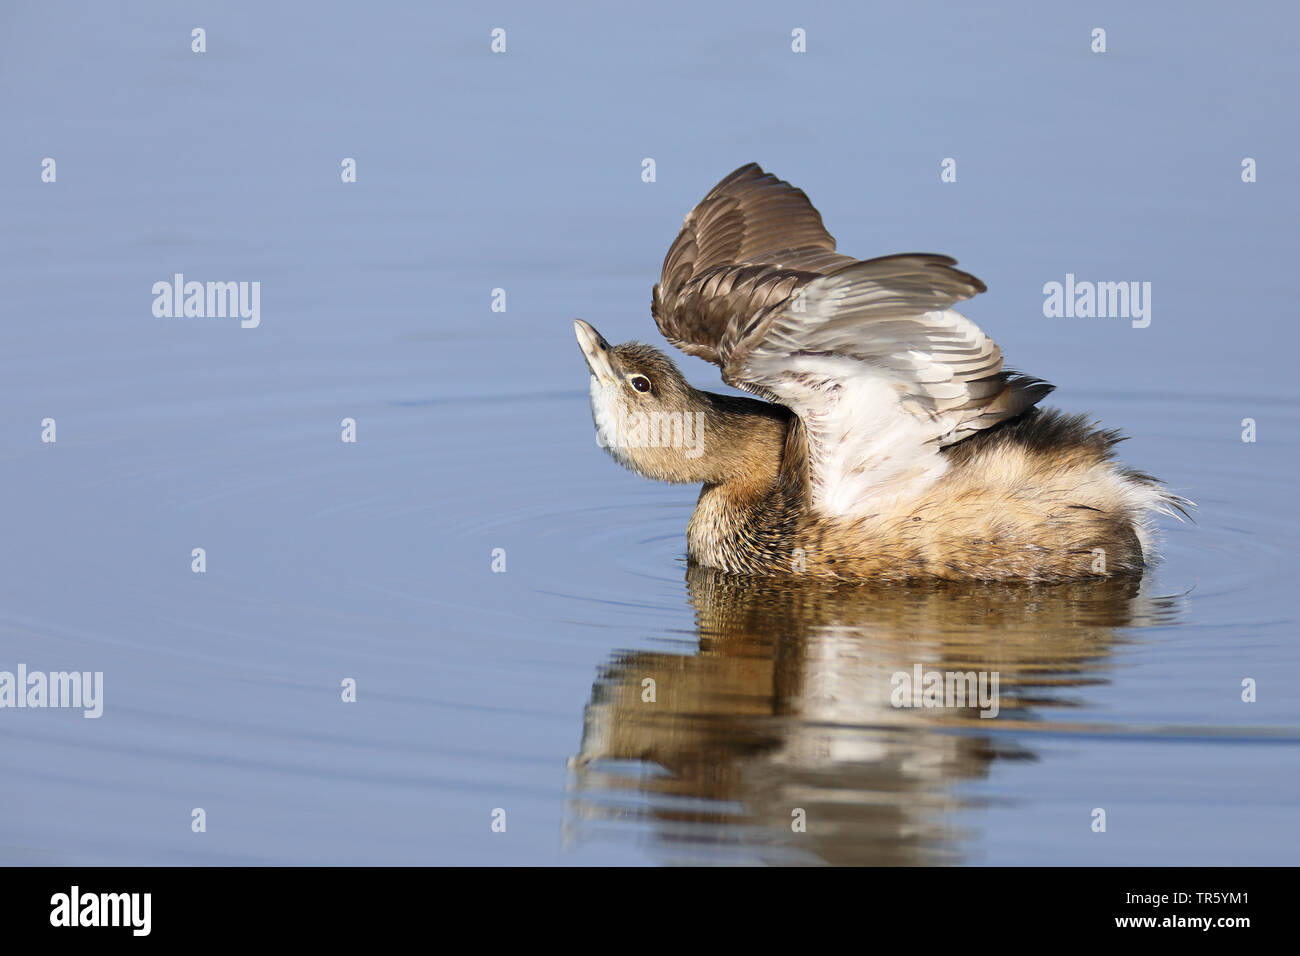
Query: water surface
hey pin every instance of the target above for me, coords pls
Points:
(522, 690)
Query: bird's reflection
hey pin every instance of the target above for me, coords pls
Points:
(777, 738)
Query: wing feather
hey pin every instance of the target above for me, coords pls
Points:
(870, 354)
(747, 245)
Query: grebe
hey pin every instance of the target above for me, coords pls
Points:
(891, 443)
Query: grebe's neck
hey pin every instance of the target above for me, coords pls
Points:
(743, 441)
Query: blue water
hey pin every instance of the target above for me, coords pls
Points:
(373, 560)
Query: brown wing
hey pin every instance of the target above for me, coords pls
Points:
(871, 355)
(883, 373)
(748, 245)
(887, 320)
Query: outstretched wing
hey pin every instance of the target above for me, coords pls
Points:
(870, 355)
(748, 245)
(882, 371)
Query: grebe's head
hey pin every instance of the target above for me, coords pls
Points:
(647, 415)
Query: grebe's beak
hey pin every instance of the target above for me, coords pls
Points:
(596, 351)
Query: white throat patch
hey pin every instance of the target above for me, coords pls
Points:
(604, 411)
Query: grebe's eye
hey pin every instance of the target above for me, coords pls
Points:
(640, 383)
